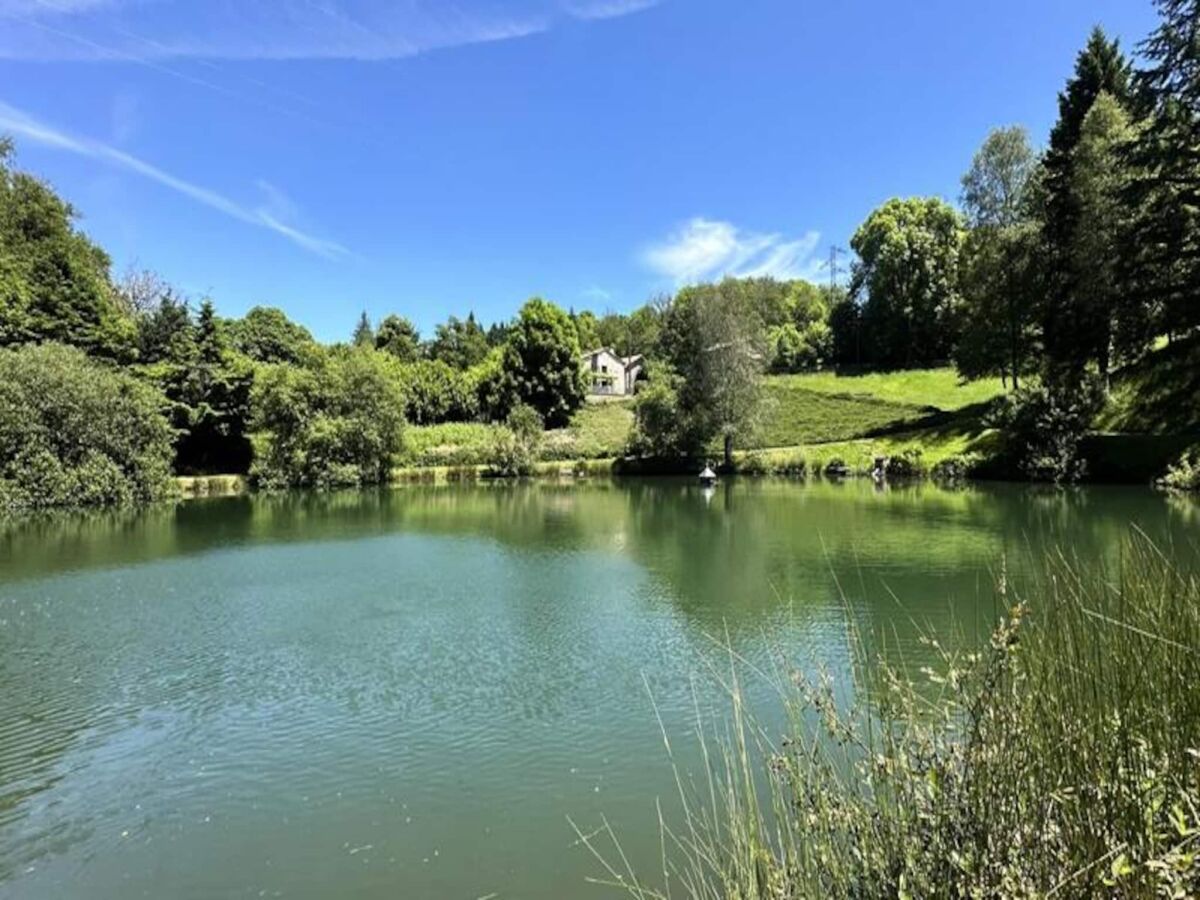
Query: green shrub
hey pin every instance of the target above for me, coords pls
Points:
(836, 468)
(1044, 426)
(953, 469)
(1184, 473)
(335, 422)
(909, 463)
(434, 392)
(75, 432)
(515, 447)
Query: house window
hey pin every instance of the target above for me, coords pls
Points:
(604, 369)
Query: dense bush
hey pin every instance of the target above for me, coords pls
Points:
(907, 464)
(661, 429)
(75, 432)
(952, 470)
(1043, 428)
(435, 392)
(337, 422)
(515, 447)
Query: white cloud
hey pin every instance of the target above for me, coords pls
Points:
(707, 249)
(147, 30)
(21, 124)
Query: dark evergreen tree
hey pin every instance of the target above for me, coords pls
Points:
(1160, 260)
(364, 334)
(1101, 67)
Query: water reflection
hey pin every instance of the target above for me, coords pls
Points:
(228, 696)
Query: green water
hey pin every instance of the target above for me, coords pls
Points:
(406, 694)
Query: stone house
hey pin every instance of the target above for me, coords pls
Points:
(610, 375)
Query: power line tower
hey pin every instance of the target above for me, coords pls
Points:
(834, 252)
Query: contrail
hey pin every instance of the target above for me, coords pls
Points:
(24, 125)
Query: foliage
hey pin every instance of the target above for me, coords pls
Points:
(907, 268)
(1160, 261)
(661, 430)
(1059, 759)
(846, 331)
(541, 363)
(165, 331)
(994, 188)
(337, 421)
(1100, 320)
(399, 337)
(460, 344)
(434, 392)
(714, 340)
(1184, 473)
(908, 463)
(54, 282)
(267, 335)
(206, 385)
(515, 447)
(953, 469)
(76, 432)
(1003, 282)
(1101, 67)
(1043, 427)
(586, 330)
(1001, 276)
(364, 334)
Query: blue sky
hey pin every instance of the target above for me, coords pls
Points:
(430, 157)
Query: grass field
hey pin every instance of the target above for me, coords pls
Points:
(940, 388)
(598, 431)
(848, 416)
(825, 408)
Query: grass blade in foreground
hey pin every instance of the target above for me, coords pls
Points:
(1063, 760)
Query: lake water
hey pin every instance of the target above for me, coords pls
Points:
(406, 694)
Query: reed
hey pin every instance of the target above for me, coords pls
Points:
(1060, 760)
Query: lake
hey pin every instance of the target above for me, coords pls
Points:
(407, 693)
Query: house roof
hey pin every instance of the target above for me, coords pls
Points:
(626, 360)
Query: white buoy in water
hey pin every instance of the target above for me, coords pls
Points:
(708, 476)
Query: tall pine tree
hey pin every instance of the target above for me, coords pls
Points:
(1160, 262)
(1101, 67)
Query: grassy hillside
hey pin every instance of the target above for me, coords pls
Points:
(825, 407)
(599, 430)
(1159, 394)
(818, 409)
(940, 388)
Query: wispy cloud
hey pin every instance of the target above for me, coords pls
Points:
(706, 249)
(596, 294)
(270, 215)
(607, 9)
(120, 30)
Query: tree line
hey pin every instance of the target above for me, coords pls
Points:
(1059, 267)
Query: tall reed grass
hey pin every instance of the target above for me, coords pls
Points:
(1060, 760)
